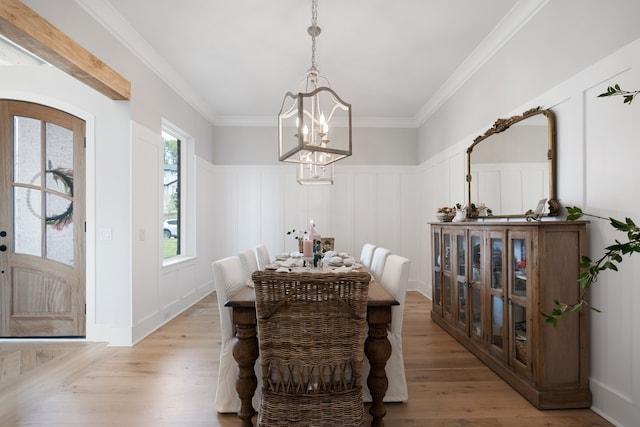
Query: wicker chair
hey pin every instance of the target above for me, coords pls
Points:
(311, 337)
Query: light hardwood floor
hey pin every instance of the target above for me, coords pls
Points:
(169, 379)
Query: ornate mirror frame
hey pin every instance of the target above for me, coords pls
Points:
(502, 125)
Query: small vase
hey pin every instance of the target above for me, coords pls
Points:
(461, 215)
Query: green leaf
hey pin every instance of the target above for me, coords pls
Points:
(574, 213)
(618, 224)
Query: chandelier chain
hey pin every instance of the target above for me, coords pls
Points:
(314, 31)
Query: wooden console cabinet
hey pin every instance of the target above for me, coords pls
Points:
(491, 280)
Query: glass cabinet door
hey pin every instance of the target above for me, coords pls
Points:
(446, 271)
(461, 279)
(518, 296)
(496, 292)
(475, 285)
(437, 272)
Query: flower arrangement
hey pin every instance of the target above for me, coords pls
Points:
(298, 236)
(445, 213)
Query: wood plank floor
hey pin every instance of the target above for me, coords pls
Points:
(169, 380)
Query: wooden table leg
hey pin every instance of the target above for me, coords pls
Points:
(378, 350)
(245, 352)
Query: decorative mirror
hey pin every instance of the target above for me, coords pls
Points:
(511, 168)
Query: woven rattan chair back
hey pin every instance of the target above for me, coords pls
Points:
(311, 338)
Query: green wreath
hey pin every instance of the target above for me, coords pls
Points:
(58, 221)
(65, 218)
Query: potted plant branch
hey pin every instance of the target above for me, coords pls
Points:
(613, 254)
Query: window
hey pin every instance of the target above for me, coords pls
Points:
(172, 195)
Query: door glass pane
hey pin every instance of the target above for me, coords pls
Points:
(437, 299)
(437, 285)
(27, 220)
(462, 301)
(496, 263)
(496, 321)
(436, 249)
(59, 243)
(519, 257)
(520, 333)
(447, 252)
(461, 249)
(476, 268)
(447, 294)
(59, 155)
(27, 151)
(475, 310)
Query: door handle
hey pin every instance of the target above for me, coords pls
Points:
(3, 248)
(3, 233)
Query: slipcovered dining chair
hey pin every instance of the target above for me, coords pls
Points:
(229, 276)
(262, 253)
(395, 280)
(249, 263)
(367, 254)
(312, 331)
(378, 261)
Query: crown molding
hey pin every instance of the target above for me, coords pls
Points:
(107, 16)
(512, 22)
(362, 122)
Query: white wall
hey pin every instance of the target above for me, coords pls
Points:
(259, 204)
(597, 157)
(257, 145)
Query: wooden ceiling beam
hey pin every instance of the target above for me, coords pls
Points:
(26, 28)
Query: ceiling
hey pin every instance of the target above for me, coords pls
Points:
(394, 61)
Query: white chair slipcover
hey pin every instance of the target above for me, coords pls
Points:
(228, 277)
(395, 280)
(367, 254)
(377, 262)
(249, 263)
(262, 253)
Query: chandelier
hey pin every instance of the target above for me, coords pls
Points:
(305, 136)
(310, 174)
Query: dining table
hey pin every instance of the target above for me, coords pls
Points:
(377, 347)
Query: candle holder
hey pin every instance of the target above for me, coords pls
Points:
(308, 261)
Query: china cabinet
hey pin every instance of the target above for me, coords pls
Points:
(491, 281)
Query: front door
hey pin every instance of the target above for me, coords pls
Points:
(42, 222)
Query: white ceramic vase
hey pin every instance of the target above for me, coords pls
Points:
(461, 215)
